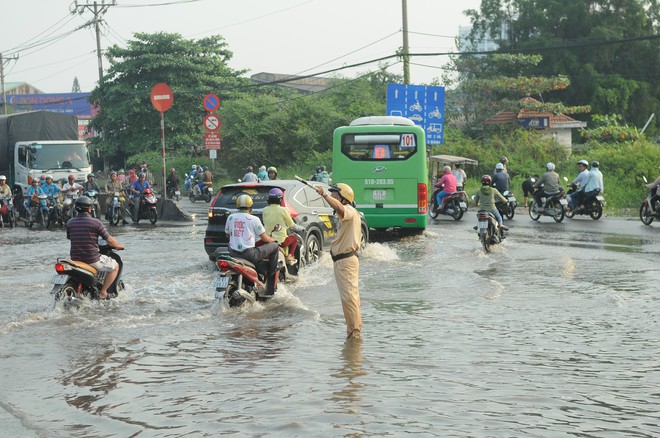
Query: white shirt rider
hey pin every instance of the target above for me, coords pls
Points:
(71, 190)
(243, 229)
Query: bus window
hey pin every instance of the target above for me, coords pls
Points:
(379, 147)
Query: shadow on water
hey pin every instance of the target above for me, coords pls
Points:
(608, 242)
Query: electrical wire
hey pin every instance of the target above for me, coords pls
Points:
(20, 46)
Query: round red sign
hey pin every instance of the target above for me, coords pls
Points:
(162, 97)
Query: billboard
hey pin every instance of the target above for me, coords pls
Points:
(67, 103)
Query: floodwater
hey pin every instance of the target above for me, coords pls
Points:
(555, 333)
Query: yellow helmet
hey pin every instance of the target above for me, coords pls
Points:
(244, 201)
(344, 190)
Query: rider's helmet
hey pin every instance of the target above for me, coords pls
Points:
(70, 177)
(244, 202)
(3, 178)
(272, 169)
(49, 177)
(83, 203)
(113, 173)
(583, 162)
(42, 176)
(249, 169)
(147, 192)
(275, 196)
(550, 166)
(172, 170)
(34, 181)
(121, 171)
(262, 169)
(322, 167)
(486, 180)
(499, 166)
(446, 169)
(504, 159)
(194, 167)
(344, 190)
(206, 168)
(142, 175)
(318, 169)
(90, 175)
(595, 164)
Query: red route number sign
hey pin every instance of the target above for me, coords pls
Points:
(162, 97)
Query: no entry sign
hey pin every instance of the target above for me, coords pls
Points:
(162, 97)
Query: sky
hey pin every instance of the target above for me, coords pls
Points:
(274, 36)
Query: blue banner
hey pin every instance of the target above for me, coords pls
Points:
(68, 103)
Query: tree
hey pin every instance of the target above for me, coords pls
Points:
(192, 68)
(75, 88)
(608, 49)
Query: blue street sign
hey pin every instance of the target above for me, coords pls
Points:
(424, 105)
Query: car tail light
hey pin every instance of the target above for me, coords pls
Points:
(422, 198)
(59, 267)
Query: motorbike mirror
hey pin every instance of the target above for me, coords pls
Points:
(239, 180)
(533, 180)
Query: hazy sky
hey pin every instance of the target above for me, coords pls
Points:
(276, 36)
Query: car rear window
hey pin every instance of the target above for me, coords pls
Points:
(228, 196)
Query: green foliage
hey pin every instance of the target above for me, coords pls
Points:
(607, 48)
(192, 68)
(607, 129)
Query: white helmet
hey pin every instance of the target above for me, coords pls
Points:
(3, 178)
(194, 166)
(550, 166)
(584, 163)
(499, 166)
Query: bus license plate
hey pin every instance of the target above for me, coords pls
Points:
(59, 279)
(380, 195)
(221, 281)
(482, 225)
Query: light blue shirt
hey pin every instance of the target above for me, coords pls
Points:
(594, 180)
(581, 178)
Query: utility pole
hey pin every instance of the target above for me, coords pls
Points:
(98, 10)
(406, 58)
(2, 79)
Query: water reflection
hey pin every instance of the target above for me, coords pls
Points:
(349, 396)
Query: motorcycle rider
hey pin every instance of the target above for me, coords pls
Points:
(592, 185)
(528, 187)
(486, 196)
(501, 179)
(504, 161)
(550, 182)
(172, 182)
(136, 189)
(250, 176)
(322, 175)
(112, 186)
(262, 175)
(242, 228)
(344, 254)
(84, 231)
(654, 192)
(51, 190)
(89, 185)
(190, 178)
(272, 173)
(448, 184)
(460, 176)
(33, 192)
(4, 188)
(278, 219)
(579, 181)
(70, 190)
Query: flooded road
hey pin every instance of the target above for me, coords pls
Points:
(554, 333)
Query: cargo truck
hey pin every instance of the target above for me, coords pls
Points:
(39, 143)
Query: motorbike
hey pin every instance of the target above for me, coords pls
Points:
(68, 210)
(114, 213)
(75, 280)
(454, 205)
(94, 196)
(554, 207)
(507, 209)
(173, 192)
(206, 193)
(35, 212)
(240, 281)
(147, 208)
(488, 230)
(593, 205)
(646, 212)
(7, 212)
(54, 211)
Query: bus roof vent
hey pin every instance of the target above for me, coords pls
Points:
(382, 120)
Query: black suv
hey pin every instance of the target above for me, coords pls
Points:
(309, 210)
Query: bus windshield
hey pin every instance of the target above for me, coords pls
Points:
(379, 147)
(58, 156)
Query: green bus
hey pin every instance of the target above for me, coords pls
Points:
(383, 159)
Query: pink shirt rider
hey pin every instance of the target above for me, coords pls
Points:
(449, 181)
